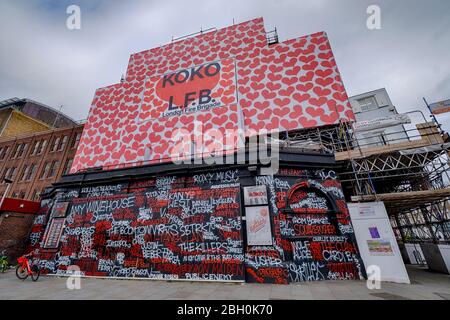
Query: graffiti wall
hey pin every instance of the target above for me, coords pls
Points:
(312, 233)
(162, 232)
(191, 227)
(215, 85)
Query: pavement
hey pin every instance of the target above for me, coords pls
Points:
(425, 285)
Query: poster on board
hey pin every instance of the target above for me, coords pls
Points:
(380, 247)
(255, 196)
(259, 232)
(54, 233)
(59, 209)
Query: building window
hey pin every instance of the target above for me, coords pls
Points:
(16, 151)
(9, 173)
(27, 172)
(37, 145)
(53, 169)
(43, 145)
(22, 149)
(55, 144)
(36, 195)
(76, 141)
(44, 171)
(68, 166)
(3, 152)
(22, 195)
(24, 173)
(31, 172)
(19, 150)
(63, 143)
(367, 104)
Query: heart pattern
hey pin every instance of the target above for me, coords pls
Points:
(286, 86)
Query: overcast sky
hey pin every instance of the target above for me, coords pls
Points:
(42, 60)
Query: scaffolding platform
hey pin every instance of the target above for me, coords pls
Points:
(408, 170)
(429, 136)
(406, 200)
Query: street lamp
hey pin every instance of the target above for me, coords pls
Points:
(8, 185)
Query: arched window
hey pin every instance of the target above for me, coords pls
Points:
(310, 211)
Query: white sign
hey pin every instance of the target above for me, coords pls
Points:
(366, 210)
(376, 241)
(259, 232)
(254, 196)
(381, 122)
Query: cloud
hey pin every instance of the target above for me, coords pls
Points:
(43, 60)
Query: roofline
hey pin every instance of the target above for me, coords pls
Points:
(368, 93)
(25, 100)
(39, 133)
(288, 158)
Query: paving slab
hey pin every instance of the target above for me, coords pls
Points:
(425, 285)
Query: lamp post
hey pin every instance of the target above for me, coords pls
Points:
(8, 185)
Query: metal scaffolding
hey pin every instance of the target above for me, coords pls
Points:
(407, 170)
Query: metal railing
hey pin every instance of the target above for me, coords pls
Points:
(201, 32)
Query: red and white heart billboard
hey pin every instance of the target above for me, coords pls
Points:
(229, 79)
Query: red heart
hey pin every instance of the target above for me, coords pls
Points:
(127, 139)
(268, 94)
(248, 113)
(227, 100)
(340, 96)
(307, 77)
(262, 105)
(289, 81)
(219, 120)
(274, 124)
(305, 87)
(157, 127)
(321, 92)
(324, 82)
(273, 86)
(265, 115)
(301, 97)
(350, 115)
(298, 111)
(287, 92)
(318, 102)
(281, 112)
(288, 125)
(330, 118)
(315, 112)
(245, 103)
(307, 123)
(282, 102)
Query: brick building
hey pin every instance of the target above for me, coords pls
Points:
(35, 161)
(16, 218)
